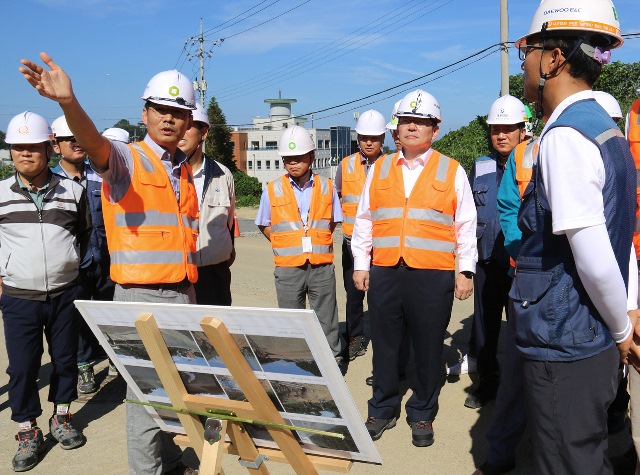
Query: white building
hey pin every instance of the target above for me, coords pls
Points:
(256, 147)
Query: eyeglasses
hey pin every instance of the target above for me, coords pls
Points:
(523, 50)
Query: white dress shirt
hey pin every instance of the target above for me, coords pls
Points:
(464, 220)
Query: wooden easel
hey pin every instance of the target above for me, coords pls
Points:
(258, 406)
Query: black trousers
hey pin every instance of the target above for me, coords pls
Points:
(355, 297)
(490, 298)
(24, 322)
(567, 406)
(95, 284)
(419, 300)
(214, 285)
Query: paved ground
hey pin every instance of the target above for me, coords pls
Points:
(459, 432)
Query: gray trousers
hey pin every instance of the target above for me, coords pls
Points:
(150, 450)
(294, 284)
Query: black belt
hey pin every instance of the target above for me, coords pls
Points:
(177, 286)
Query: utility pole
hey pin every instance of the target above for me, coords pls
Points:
(201, 85)
(504, 54)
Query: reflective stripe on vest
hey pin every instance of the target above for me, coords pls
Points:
(633, 133)
(353, 181)
(420, 229)
(525, 157)
(287, 229)
(152, 239)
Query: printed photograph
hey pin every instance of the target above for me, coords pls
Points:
(258, 432)
(182, 347)
(304, 398)
(317, 440)
(207, 349)
(231, 388)
(284, 355)
(246, 350)
(201, 384)
(125, 342)
(147, 380)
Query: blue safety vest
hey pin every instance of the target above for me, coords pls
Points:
(555, 319)
(485, 179)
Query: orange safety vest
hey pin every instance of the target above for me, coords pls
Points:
(353, 180)
(525, 156)
(420, 229)
(287, 229)
(151, 239)
(634, 142)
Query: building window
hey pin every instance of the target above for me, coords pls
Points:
(244, 146)
(326, 144)
(277, 164)
(250, 165)
(255, 145)
(271, 145)
(285, 125)
(320, 143)
(268, 163)
(259, 165)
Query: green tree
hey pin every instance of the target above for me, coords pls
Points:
(136, 131)
(466, 143)
(3, 145)
(6, 170)
(219, 145)
(248, 189)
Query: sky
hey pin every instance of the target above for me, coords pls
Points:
(322, 53)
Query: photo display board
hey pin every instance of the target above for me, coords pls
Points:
(286, 349)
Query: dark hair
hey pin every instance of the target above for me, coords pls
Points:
(581, 66)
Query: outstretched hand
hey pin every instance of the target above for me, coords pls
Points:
(53, 83)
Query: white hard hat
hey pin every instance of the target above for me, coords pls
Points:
(507, 110)
(28, 127)
(371, 122)
(171, 88)
(116, 133)
(295, 141)
(419, 104)
(60, 127)
(593, 17)
(608, 103)
(393, 123)
(200, 115)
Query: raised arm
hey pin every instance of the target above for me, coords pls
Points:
(55, 84)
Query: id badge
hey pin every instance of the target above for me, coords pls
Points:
(306, 244)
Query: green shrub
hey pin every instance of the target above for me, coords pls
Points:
(247, 201)
(246, 185)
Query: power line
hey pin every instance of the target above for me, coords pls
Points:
(496, 46)
(267, 21)
(330, 52)
(218, 29)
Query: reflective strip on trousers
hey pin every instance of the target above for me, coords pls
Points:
(150, 257)
(429, 215)
(385, 242)
(386, 213)
(429, 244)
(150, 218)
(286, 226)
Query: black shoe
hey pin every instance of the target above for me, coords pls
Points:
(489, 468)
(369, 380)
(356, 347)
(480, 396)
(30, 446)
(86, 379)
(376, 426)
(421, 433)
(62, 430)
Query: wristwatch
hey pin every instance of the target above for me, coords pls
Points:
(468, 274)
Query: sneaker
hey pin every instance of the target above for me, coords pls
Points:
(30, 445)
(62, 430)
(113, 371)
(421, 433)
(376, 426)
(486, 391)
(467, 364)
(86, 379)
(357, 347)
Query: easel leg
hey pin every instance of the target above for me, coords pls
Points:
(246, 448)
(211, 461)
